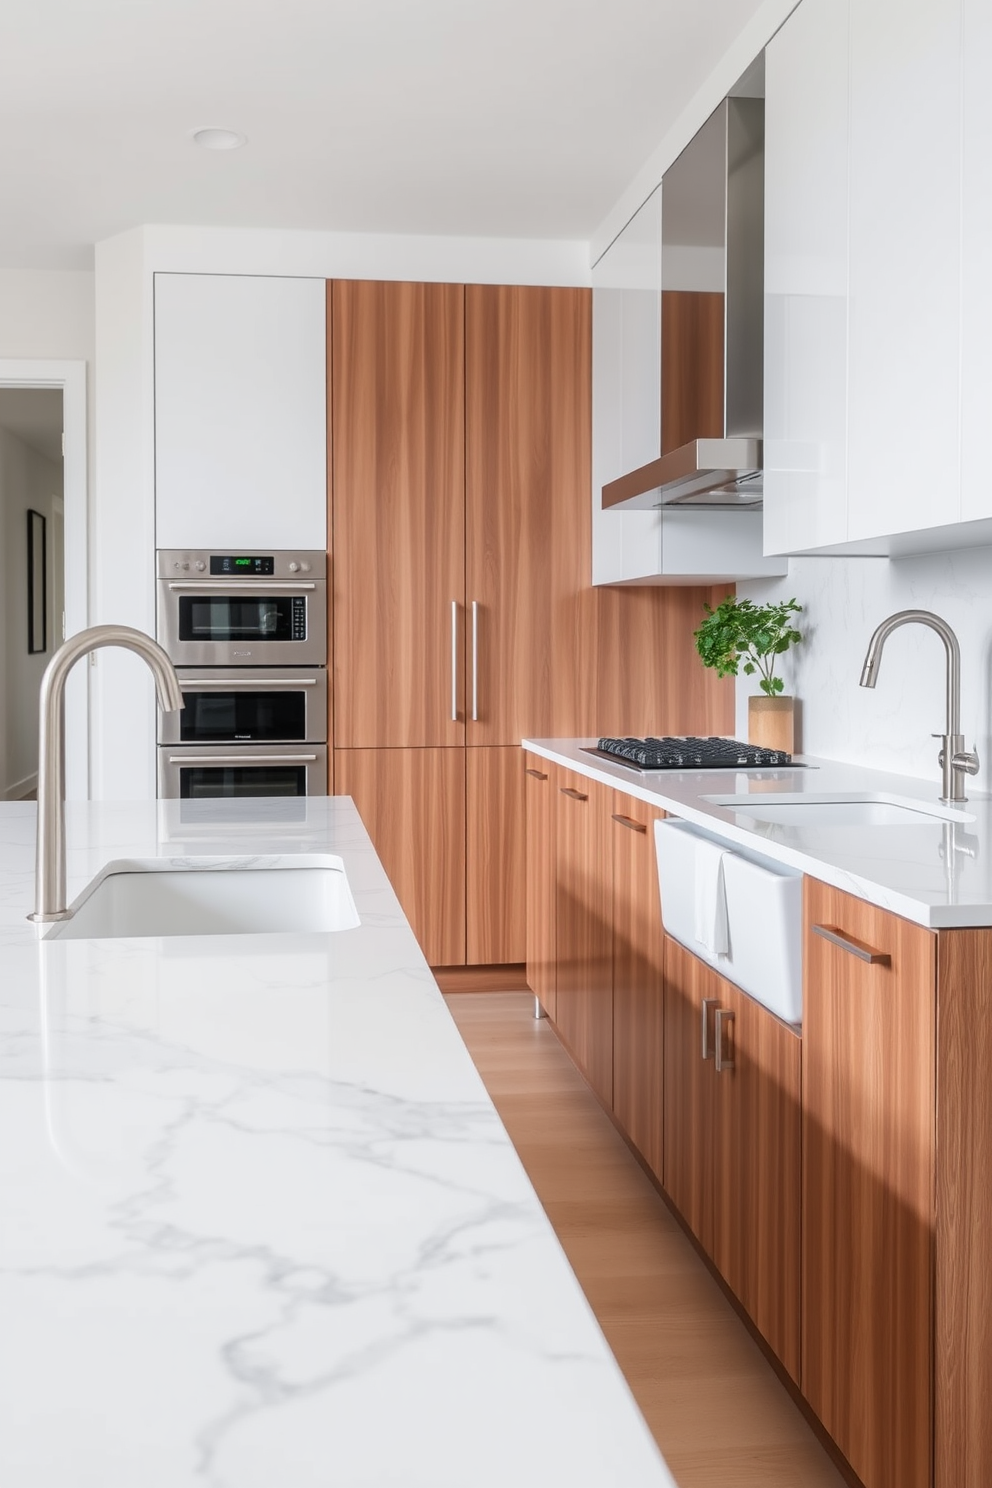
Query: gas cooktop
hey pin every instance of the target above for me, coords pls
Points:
(687, 752)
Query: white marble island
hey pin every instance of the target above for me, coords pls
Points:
(259, 1221)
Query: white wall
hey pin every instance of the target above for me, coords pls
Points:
(890, 727)
(123, 743)
(27, 481)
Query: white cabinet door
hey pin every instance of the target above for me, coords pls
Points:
(806, 225)
(976, 280)
(626, 391)
(240, 412)
(905, 246)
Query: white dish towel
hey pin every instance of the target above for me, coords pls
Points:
(711, 928)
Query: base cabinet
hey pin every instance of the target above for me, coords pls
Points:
(638, 973)
(732, 1141)
(837, 1179)
(584, 927)
(868, 1184)
(540, 791)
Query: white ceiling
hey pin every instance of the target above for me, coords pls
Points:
(510, 118)
(34, 415)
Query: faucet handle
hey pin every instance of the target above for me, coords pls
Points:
(966, 760)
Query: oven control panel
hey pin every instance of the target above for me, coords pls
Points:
(182, 564)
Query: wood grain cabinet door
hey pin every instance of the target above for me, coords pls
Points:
(412, 802)
(688, 1089)
(584, 928)
(541, 790)
(398, 513)
(638, 980)
(527, 376)
(757, 1161)
(495, 857)
(868, 1184)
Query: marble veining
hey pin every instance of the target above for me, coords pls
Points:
(261, 1224)
(938, 874)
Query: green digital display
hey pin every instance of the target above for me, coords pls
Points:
(228, 564)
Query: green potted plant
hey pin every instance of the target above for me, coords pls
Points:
(739, 632)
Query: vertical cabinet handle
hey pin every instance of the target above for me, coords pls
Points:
(475, 661)
(722, 1019)
(709, 1003)
(454, 661)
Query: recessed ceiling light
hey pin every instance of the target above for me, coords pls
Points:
(218, 139)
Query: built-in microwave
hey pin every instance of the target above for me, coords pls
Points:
(242, 609)
(196, 772)
(249, 705)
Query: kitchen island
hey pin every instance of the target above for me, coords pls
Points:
(259, 1221)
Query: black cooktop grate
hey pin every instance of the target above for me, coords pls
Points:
(688, 752)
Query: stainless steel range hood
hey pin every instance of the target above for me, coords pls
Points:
(712, 278)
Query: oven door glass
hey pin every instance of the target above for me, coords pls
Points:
(219, 617)
(210, 782)
(247, 717)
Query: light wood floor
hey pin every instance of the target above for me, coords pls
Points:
(718, 1412)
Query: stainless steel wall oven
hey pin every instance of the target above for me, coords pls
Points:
(247, 729)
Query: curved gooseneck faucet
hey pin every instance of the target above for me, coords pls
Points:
(50, 892)
(955, 760)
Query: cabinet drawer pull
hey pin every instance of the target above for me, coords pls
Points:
(854, 947)
(567, 790)
(708, 1003)
(722, 1018)
(628, 821)
(537, 774)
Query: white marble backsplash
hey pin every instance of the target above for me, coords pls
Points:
(888, 728)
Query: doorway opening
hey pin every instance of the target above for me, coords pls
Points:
(43, 562)
(32, 572)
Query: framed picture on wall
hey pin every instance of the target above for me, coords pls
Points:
(37, 584)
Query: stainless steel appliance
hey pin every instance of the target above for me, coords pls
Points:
(248, 632)
(249, 705)
(192, 772)
(242, 609)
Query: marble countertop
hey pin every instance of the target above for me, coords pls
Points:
(259, 1221)
(938, 874)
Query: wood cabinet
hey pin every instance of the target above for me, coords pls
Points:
(527, 437)
(584, 927)
(398, 513)
(495, 863)
(412, 802)
(240, 413)
(541, 789)
(732, 1088)
(638, 980)
(869, 1065)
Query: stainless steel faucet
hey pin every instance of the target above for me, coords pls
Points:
(49, 903)
(955, 761)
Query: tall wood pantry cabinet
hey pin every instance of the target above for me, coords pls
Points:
(459, 420)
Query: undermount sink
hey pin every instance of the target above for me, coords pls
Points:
(205, 896)
(870, 809)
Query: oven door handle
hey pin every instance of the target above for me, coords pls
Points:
(274, 684)
(242, 759)
(243, 586)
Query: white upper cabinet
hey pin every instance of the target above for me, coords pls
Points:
(976, 278)
(878, 309)
(240, 412)
(904, 247)
(806, 195)
(626, 391)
